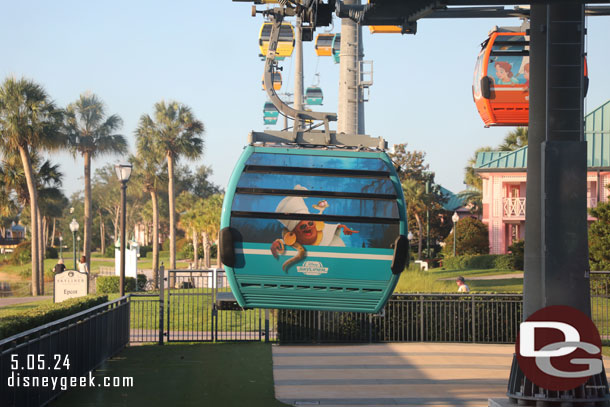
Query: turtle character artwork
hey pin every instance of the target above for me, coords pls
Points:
(305, 232)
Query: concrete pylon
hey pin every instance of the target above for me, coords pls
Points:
(351, 105)
(298, 72)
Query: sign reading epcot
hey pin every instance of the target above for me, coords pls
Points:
(70, 284)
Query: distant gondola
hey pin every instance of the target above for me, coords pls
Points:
(285, 43)
(314, 95)
(324, 44)
(336, 47)
(277, 81)
(269, 110)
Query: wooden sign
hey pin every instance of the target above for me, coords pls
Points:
(70, 284)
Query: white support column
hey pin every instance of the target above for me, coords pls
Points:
(351, 105)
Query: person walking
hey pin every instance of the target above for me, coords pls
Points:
(82, 265)
(462, 287)
(59, 267)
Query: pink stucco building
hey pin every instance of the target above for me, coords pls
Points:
(504, 179)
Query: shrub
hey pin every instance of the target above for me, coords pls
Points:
(472, 238)
(504, 262)
(517, 251)
(51, 253)
(141, 282)
(12, 323)
(599, 238)
(485, 261)
(109, 251)
(187, 251)
(110, 284)
(22, 254)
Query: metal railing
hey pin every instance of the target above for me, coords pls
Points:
(481, 318)
(191, 314)
(513, 207)
(69, 347)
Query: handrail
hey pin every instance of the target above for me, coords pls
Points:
(62, 320)
(460, 295)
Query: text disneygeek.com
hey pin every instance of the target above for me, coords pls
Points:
(16, 380)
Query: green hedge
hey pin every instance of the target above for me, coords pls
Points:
(12, 323)
(110, 284)
(485, 261)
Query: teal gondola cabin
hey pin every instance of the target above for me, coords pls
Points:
(313, 228)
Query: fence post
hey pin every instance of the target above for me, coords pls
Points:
(371, 328)
(473, 319)
(266, 324)
(161, 301)
(421, 318)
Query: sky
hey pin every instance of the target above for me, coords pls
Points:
(205, 54)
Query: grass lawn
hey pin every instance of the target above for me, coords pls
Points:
(228, 374)
(433, 281)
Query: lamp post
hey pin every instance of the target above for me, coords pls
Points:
(455, 219)
(74, 229)
(61, 246)
(123, 172)
(409, 238)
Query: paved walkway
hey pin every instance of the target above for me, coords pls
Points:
(393, 374)
(5, 301)
(494, 277)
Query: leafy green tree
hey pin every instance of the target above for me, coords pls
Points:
(472, 237)
(92, 134)
(177, 133)
(599, 237)
(416, 207)
(411, 166)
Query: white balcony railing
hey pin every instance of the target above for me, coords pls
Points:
(514, 207)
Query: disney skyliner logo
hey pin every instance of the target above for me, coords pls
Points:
(559, 348)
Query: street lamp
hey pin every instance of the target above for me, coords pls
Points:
(123, 172)
(455, 219)
(409, 238)
(74, 229)
(61, 246)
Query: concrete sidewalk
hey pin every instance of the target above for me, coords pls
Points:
(6, 301)
(393, 374)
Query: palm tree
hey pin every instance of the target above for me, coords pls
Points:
(177, 133)
(48, 180)
(91, 135)
(29, 120)
(414, 197)
(210, 225)
(149, 174)
(514, 140)
(471, 179)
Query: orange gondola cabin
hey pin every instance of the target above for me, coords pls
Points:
(501, 79)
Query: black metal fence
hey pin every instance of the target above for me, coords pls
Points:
(184, 310)
(55, 352)
(189, 313)
(492, 318)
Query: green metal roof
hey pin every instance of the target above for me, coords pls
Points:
(502, 159)
(597, 134)
(453, 201)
